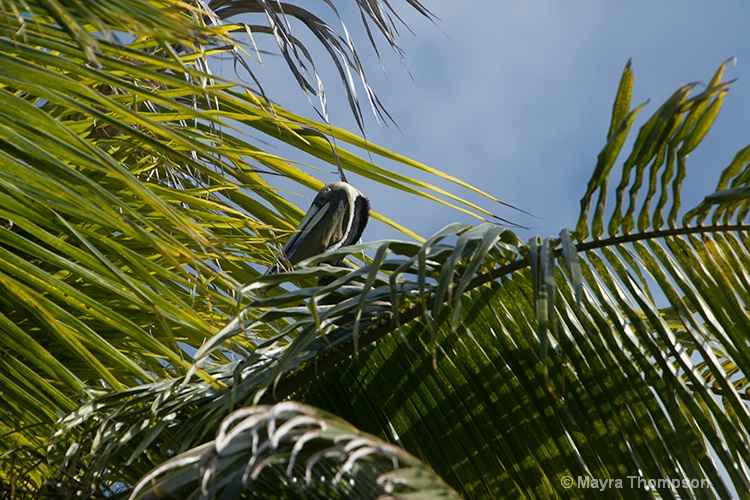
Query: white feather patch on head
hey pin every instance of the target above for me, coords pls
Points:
(351, 194)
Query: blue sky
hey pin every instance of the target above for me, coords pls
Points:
(515, 96)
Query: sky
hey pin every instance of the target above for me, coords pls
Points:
(515, 97)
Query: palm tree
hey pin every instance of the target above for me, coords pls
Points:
(140, 358)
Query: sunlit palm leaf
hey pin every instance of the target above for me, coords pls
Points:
(132, 201)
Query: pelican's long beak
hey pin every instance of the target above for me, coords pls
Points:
(337, 218)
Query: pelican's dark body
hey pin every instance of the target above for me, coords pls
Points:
(337, 218)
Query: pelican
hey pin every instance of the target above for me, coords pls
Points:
(337, 218)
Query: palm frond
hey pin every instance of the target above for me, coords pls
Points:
(262, 450)
(278, 19)
(132, 221)
(133, 203)
(507, 367)
(653, 173)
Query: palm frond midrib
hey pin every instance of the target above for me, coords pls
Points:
(659, 233)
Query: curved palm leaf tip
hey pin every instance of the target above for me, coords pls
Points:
(259, 449)
(337, 218)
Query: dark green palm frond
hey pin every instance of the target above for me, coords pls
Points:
(506, 367)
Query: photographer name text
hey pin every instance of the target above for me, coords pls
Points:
(592, 483)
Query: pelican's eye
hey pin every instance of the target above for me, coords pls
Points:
(323, 194)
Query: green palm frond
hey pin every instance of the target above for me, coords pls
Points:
(263, 450)
(322, 332)
(505, 366)
(134, 209)
(134, 202)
